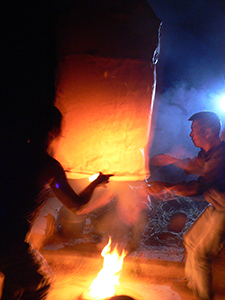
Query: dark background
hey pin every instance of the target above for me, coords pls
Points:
(190, 71)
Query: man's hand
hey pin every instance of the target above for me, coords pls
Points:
(156, 187)
(179, 188)
(103, 178)
(163, 160)
(186, 189)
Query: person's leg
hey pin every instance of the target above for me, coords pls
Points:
(11, 294)
(40, 294)
(27, 275)
(206, 248)
(11, 291)
(137, 231)
(191, 238)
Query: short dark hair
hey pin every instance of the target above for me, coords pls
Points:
(208, 119)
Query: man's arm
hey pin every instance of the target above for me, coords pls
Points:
(186, 189)
(166, 159)
(189, 165)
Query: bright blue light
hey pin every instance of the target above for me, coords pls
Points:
(222, 102)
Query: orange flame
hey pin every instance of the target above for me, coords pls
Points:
(107, 280)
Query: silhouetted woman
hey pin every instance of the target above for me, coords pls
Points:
(28, 174)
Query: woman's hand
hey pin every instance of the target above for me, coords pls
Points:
(103, 178)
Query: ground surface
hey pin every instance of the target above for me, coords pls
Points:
(145, 276)
(149, 273)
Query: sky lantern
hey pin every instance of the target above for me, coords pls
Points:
(107, 52)
(105, 84)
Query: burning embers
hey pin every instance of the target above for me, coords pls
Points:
(107, 280)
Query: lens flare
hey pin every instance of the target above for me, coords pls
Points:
(222, 103)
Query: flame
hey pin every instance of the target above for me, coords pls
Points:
(107, 280)
(93, 177)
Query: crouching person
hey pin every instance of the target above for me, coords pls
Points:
(203, 239)
(28, 174)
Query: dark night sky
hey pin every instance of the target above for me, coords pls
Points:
(193, 41)
(191, 67)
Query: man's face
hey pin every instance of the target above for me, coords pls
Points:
(198, 134)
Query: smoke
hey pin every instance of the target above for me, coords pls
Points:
(191, 68)
(171, 128)
(171, 113)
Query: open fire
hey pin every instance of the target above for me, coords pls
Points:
(107, 280)
(138, 279)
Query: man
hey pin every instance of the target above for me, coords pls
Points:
(28, 175)
(202, 240)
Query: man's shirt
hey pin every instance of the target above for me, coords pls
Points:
(211, 169)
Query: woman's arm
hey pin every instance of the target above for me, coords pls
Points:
(65, 193)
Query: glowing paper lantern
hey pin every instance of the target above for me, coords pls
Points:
(105, 86)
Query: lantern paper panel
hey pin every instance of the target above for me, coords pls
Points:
(105, 83)
(106, 103)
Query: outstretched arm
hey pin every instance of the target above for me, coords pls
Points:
(186, 189)
(64, 192)
(166, 159)
(183, 188)
(163, 160)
